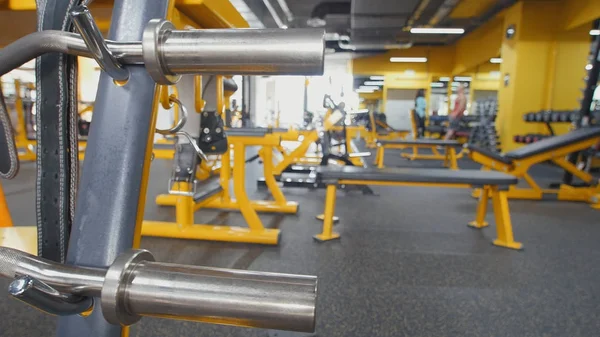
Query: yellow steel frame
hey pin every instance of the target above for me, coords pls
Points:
(298, 155)
(5, 218)
(25, 147)
(520, 169)
(449, 157)
(185, 207)
(504, 231)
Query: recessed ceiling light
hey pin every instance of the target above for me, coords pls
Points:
(408, 59)
(437, 31)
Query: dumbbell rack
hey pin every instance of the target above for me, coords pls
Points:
(484, 133)
(548, 117)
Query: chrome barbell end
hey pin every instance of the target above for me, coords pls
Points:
(153, 38)
(44, 297)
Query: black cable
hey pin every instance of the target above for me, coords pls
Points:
(205, 86)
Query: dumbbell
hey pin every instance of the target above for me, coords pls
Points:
(564, 116)
(539, 116)
(528, 117)
(547, 117)
(573, 116)
(518, 138)
(555, 116)
(536, 138)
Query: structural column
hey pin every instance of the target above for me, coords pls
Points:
(542, 68)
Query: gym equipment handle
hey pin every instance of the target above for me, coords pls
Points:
(168, 53)
(135, 286)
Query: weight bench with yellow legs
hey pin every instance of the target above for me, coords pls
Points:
(494, 182)
(555, 149)
(449, 158)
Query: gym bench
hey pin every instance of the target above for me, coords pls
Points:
(554, 149)
(449, 157)
(495, 182)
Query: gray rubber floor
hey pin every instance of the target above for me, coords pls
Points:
(406, 265)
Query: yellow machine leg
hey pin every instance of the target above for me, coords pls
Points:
(184, 227)
(452, 158)
(328, 233)
(504, 229)
(280, 204)
(379, 157)
(481, 211)
(239, 188)
(5, 219)
(595, 201)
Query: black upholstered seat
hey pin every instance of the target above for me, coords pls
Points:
(207, 189)
(556, 142)
(163, 146)
(420, 142)
(541, 146)
(247, 132)
(488, 153)
(415, 175)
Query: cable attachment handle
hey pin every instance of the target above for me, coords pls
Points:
(182, 119)
(91, 35)
(192, 141)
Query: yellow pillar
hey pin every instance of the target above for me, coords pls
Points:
(5, 219)
(539, 52)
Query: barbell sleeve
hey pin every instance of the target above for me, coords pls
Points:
(135, 286)
(168, 53)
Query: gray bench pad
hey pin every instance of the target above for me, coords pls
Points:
(553, 143)
(491, 154)
(439, 142)
(542, 146)
(207, 189)
(386, 132)
(247, 132)
(415, 175)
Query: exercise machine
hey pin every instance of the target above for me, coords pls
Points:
(89, 227)
(332, 141)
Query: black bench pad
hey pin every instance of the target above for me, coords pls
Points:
(491, 154)
(387, 132)
(415, 175)
(247, 132)
(421, 142)
(163, 146)
(207, 189)
(553, 143)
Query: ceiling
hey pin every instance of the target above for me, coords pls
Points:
(373, 25)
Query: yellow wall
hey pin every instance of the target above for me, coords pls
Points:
(479, 46)
(572, 49)
(579, 12)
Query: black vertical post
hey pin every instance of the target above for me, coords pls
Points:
(112, 177)
(586, 102)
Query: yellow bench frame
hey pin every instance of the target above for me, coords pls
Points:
(520, 169)
(450, 157)
(504, 231)
(185, 206)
